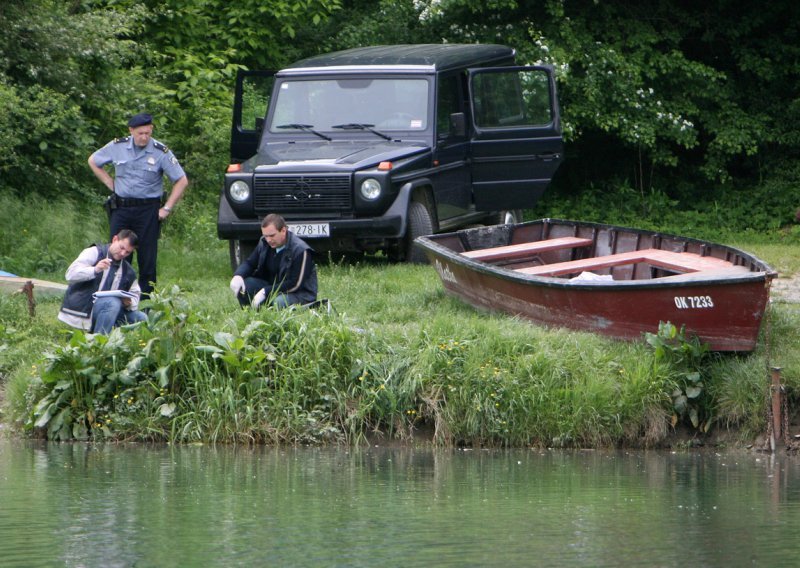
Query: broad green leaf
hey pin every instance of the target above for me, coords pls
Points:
(232, 360)
(45, 417)
(167, 409)
(58, 419)
(66, 397)
(223, 339)
(693, 392)
(78, 338)
(114, 340)
(162, 374)
(50, 376)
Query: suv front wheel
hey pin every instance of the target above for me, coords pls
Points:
(419, 225)
(239, 251)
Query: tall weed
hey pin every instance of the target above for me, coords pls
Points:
(42, 237)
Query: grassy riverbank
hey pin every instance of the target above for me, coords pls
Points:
(396, 359)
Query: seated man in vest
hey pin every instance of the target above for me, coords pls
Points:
(280, 270)
(103, 291)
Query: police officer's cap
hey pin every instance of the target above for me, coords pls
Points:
(141, 119)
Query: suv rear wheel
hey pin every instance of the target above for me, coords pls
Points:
(419, 224)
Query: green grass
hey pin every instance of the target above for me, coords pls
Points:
(396, 358)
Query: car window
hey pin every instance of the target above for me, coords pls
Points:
(255, 99)
(447, 103)
(512, 98)
(388, 104)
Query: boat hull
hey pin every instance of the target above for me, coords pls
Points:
(724, 312)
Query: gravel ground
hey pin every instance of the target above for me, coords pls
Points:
(786, 289)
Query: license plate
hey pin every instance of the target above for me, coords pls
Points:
(310, 230)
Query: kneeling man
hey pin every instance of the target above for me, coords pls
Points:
(280, 270)
(103, 291)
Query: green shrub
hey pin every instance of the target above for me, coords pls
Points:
(686, 358)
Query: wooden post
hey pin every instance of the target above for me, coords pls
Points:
(777, 406)
(27, 291)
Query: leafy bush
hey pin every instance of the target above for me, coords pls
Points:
(284, 376)
(719, 213)
(685, 358)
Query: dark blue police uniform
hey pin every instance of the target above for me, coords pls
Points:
(138, 184)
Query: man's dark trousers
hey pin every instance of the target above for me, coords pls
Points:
(142, 220)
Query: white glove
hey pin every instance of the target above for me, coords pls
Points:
(259, 298)
(237, 285)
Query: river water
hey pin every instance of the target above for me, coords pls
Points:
(107, 505)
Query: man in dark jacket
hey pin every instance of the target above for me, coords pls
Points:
(280, 271)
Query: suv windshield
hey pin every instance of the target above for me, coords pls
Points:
(386, 104)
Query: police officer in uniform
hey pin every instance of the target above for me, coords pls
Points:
(140, 163)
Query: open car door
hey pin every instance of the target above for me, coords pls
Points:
(516, 144)
(251, 99)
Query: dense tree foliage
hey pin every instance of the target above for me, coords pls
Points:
(662, 97)
(710, 86)
(72, 72)
(58, 70)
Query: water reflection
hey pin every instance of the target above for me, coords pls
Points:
(83, 505)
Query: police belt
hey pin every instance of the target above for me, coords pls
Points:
(136, 202)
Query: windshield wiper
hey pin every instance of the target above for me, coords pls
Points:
(306, 128)
(360, 126)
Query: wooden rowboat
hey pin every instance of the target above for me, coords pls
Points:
(616, 281)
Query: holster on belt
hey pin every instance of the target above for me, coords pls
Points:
(110, 204)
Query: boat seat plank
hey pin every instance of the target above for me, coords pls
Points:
(675, 261)
(595, 263)
(521, 250)
(685, 261)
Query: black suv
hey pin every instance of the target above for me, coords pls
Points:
(367, 149)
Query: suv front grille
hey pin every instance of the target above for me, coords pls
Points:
(307, 193)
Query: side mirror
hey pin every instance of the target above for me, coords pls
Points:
(259, 125)
(458, 124)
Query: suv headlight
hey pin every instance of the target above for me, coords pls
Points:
(239, 191)
(370, 189)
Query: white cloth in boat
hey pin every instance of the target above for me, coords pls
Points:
(586, 276)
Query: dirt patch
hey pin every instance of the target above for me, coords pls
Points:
(787, 289)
